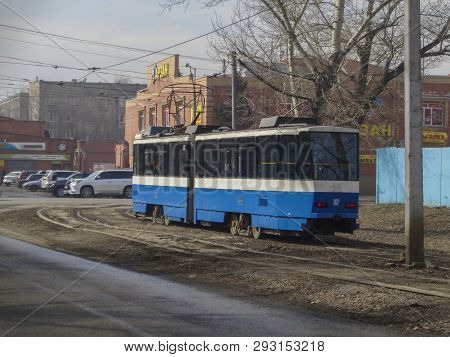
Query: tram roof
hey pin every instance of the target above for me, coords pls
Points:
(288, 130)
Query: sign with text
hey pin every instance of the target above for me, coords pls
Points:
(375, 130)
(38, 157)
(435, 137)
(367, 159)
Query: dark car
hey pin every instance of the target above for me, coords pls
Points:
(59, 185)
(32, 177)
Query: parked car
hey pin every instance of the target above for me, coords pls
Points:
(105, 182)
(33, 185)
(50, 178)
(32, 177)
(24, 174)
(58, 188)
(11, 178)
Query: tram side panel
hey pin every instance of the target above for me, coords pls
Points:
(279, 205)
(160, 182)
(223, 184)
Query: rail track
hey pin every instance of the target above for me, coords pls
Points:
(217, 246)
(386, 254)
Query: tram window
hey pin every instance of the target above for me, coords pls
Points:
(174, 163)
(179, 159)
(163, 159)
(268, 157)
(247, 157)
(305, 167)
(334, 156)
(138, 159)
(184, 159)
(288, 158)
(207, 158)
(151, 162)
(229, 160)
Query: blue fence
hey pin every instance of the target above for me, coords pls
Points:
(391, 176)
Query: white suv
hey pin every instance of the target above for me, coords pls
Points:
(105, 182)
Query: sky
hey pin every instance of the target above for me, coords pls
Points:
(134, 23)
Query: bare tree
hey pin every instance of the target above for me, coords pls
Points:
(332, 58)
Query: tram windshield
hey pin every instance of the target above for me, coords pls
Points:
(333, 156)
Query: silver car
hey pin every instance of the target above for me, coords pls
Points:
(50, 178)
(11, 178)
(105, 182)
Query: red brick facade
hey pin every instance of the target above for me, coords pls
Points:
(386, 128)
(17, 138)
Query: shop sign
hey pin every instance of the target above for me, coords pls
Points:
(375, 130)
(367, 159)
(160, 71)
(21, 146)
(37, 157)
(435, 137)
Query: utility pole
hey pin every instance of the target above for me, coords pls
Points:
(194, 100)
(414, 254)
(233, 90)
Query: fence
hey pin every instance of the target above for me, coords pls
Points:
(390, 178)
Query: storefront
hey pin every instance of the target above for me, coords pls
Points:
(24, 145)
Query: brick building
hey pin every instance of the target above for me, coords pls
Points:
(26, 145)
(168, 101)
(386, 128)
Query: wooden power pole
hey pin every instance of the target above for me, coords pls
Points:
(414, 254)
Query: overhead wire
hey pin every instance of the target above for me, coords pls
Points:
(189, 40)
(101, 44)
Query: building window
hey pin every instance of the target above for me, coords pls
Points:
(165, 111)
(433, 114)
(153, 118)
(52, 115)
(141, 120)
(121, 118)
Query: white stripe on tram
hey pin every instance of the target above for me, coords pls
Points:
(252, 184)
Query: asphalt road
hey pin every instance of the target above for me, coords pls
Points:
(13, 196)
(48, 293)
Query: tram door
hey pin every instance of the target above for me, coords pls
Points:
(188, 172)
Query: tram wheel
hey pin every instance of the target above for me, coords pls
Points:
(157, 214)
(234, 224)
(256, 232)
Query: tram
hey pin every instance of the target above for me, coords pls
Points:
(287, 176)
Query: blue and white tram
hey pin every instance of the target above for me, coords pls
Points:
(277, 179)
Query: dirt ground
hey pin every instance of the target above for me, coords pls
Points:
(401, 312)
(384, 224)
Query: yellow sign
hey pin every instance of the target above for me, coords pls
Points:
(2, 163)
(367, 159)
(160, 71)
(435, 137)
(199, 111)
(375, 130)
